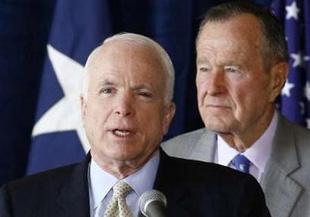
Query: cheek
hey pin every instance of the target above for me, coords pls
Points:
(243, 94)
(250, 96)
(95, 117)
(201, 91)
(153, 122)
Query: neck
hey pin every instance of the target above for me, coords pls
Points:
(120, 168)
(241, 141)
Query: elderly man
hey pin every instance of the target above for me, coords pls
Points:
(126, 108)
(241, 69)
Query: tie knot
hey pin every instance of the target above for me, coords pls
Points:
(121, 189)
(241, 163)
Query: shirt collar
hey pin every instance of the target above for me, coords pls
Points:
(258, 153)
(143, 180)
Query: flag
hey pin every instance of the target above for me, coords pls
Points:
(295, 97)
(58, 136)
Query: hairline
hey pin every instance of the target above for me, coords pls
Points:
(271, 53)
(140, 40)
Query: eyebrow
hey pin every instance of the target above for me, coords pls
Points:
(142, 86)
(202, 60)
(226, 63)
(107, 82)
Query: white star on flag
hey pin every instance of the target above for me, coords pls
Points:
(287, 88)
(65, 115)
(297, 59)
(292, 11)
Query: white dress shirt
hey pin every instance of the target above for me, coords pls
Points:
(101, 183)
(258, 153)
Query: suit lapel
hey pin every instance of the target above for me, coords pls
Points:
(177, 194)
(280, 189)
(204, 149)
(73, 198)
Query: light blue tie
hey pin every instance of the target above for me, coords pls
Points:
(241, 163)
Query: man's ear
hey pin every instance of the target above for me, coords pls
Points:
(168, 116)
(279, 73)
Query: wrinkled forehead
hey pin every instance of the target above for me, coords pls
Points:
(244, 27)
(237, 35)
(121, 59)
(119, 50)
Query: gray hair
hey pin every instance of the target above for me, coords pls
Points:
(274, 46)
(142, 40)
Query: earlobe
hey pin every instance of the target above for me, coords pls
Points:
(168, 116)
(279, 75)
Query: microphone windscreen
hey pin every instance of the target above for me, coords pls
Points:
(149, 197)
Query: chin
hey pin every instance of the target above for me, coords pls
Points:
(125, 155)
(218, 128)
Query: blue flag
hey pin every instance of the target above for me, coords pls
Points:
(295, 98)
(58, 137)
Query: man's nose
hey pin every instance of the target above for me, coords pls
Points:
(124, 105)
(216, 83)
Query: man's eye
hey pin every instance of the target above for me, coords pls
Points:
(231, 70)
(145, 94)
(107, 90)
(203, 69)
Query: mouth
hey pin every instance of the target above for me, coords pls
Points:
(122, 133)
(217, 106)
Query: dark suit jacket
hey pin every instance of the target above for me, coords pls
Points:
(193, 189)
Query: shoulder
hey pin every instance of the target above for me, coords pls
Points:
(40, 193)
(299, 135)
(290, 128)
(184, 143)
(209, 181)
(186, 137)
(37, 184)
(207, 173)
(297, 129)
(291, 142)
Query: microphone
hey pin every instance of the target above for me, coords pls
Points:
(153, 203)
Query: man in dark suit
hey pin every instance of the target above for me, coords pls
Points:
(126, 109)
